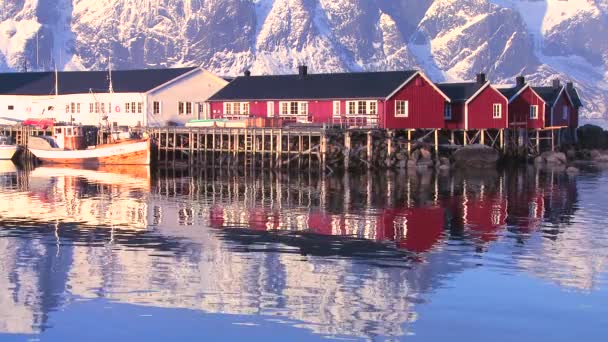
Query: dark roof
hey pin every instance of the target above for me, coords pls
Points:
(78, 82)
(459, 92)
(510, 92)
(574, 96)
(548, 94)
(314, 86)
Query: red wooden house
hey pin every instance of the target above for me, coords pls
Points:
(577, 103)
(559, 107)
(474, 105)
(526, 107)
(391, 100)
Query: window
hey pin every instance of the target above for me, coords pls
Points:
(109, 107)
(245, 108)
(96, 107)
(565, 113)
(73, 107)
(294, 108)
(236, 108)
(336, 108)
(270, 107)
(91, 110)
(67, 108)
(228, 108)
(127, 107)
(11, 107)
(78, 108)
(361, 107)
(188, 108)
(447, 111)
(352, 107)
(156, 107)
(303, 108)
(139, 106)
(497, 111)
(180, 108)
(372, 107)
(533, 112)
(132, 107)
(401, 109)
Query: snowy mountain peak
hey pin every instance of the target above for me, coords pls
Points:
(449, 39)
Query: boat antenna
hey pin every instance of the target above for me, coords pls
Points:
(56, 81)
(110, 73)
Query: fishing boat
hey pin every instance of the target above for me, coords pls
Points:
(67, 146)
(7, 148)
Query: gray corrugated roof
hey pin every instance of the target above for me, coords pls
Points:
(314, 86)
(78, 82)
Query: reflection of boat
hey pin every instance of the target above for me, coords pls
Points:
(136, 176)
(7, 148)
(7, 166)
(67, 147)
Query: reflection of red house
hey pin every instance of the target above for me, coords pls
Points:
(261, 219)
(527, 210)
(485, 216)
(320, 223)
(423, 227)
(216, 217)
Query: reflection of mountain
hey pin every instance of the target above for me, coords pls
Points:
(349, 255)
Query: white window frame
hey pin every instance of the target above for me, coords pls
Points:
(533, 112)
(336, 109)
(156, 108)
(447, 111)
(406, 109)
(236, 108)
(189, 108)
(565, 112)
(359, 108)
(270, 109)
(181, 107)
(494, 112)
(286, 108)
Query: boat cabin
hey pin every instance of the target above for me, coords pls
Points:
(69, 137)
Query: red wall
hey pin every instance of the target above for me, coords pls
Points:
(480, 110)
(519, 110)
(558, 111)
(425, 106)
(457, 121)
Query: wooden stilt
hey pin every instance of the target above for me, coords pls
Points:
(483, 136)
(370, 149)
(502, 139)
(464, 137)
(437, 144)
(409, 142)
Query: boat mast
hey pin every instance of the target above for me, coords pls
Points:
(56, 81)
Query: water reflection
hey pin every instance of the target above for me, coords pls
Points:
(351, 255)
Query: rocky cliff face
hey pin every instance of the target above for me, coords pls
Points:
(449, 39)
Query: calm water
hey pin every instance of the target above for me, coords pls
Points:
(120, 255)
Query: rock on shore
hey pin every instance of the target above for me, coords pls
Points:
(476, 156)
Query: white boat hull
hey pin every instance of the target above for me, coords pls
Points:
(7, 151)
(126, 153)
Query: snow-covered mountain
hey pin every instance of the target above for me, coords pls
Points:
(449, 39)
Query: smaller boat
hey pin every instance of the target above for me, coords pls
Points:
(67, 146)
(7, 148)
(206, 123)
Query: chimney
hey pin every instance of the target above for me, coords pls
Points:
(556, 84)
(247, 73)
(303, 70)
(520, 81)
(570, 85)
(481, 78)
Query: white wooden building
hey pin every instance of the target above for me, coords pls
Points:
(151, 97)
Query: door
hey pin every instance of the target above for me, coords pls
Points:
(270, 112)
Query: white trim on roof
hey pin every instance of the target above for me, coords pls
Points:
(522, 90)
(479, 91)
(426, 79)
(184, 75)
